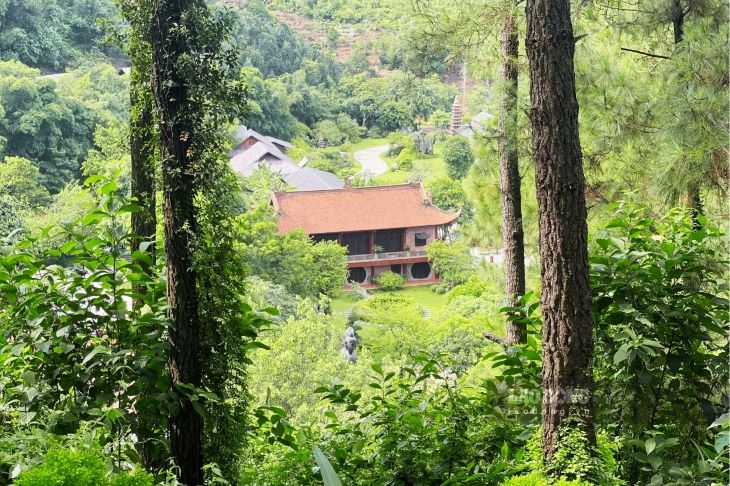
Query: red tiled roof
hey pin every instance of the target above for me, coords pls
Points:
(357, 209)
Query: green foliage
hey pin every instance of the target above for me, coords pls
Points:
(446, 193)
(474, 287)
(537, 479)
(440, 119)
(393, 115)
(69, 205)
(11, 222)
(451, 261)
(256, 189)
(405, 159)
(576, 459)
(52, 131)
(390, 281)
(307, 350)
(458, 157)
(399, 141)
(338, 131)
(52, 34)
(20, 179)
(267, 44)
(332, 160)
(329, 476)
(359, 61)
(660, 305)
(70, 331)
(111, 158)
(471, 306)
(292, 260)
(405, 432)
(64, 467)
(97, 86)
(262, 294)
(268, 106)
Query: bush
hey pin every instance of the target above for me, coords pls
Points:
(473, 287)
(398, 141)
(405, 159)
(467, 306)
(452, 262)
(458, 157)
(64, 467)
(391, 281)
(537, 479)
(446, 193)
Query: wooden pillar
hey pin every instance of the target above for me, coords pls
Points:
(371, 243)
(403, 240)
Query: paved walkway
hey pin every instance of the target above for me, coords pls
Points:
(371, 161)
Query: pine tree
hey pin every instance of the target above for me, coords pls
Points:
(513, 239)
(567, 329)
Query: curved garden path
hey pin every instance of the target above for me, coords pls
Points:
(370, 159)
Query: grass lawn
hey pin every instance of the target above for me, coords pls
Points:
(366, 143)
(422, 296)
(429, 166)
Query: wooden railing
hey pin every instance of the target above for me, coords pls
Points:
(393, 255)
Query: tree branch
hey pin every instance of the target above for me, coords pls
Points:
(496, 339)
(645, 53)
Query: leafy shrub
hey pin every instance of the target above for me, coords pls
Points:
(452, 262)
(332, 160)
(537, 479)
(53, 335)
(67, 468)
(399, 141)
(661, 311)
(85, 467)
(391, 281)
(419, 427)
(474, 287)
(357, 292)
(446, 193)
(307, 350)
(405, 159)
(11, 223)
(470, 306)
(458, 157)
(262, 294)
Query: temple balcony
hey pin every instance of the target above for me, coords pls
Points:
(386, 257)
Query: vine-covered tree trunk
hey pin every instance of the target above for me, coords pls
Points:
(168, 51)
(509, 178)
(567, 330)
(144, 222)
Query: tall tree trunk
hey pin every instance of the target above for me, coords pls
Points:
(509, 178)
(144, 222)
(693, 197)
(678, 21)
(567, 330)
(168, 50)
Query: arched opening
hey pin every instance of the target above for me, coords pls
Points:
(357, 274)
(421, 270)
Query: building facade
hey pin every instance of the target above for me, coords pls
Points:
(384, 228)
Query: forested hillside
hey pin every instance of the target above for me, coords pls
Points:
(507, 265)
